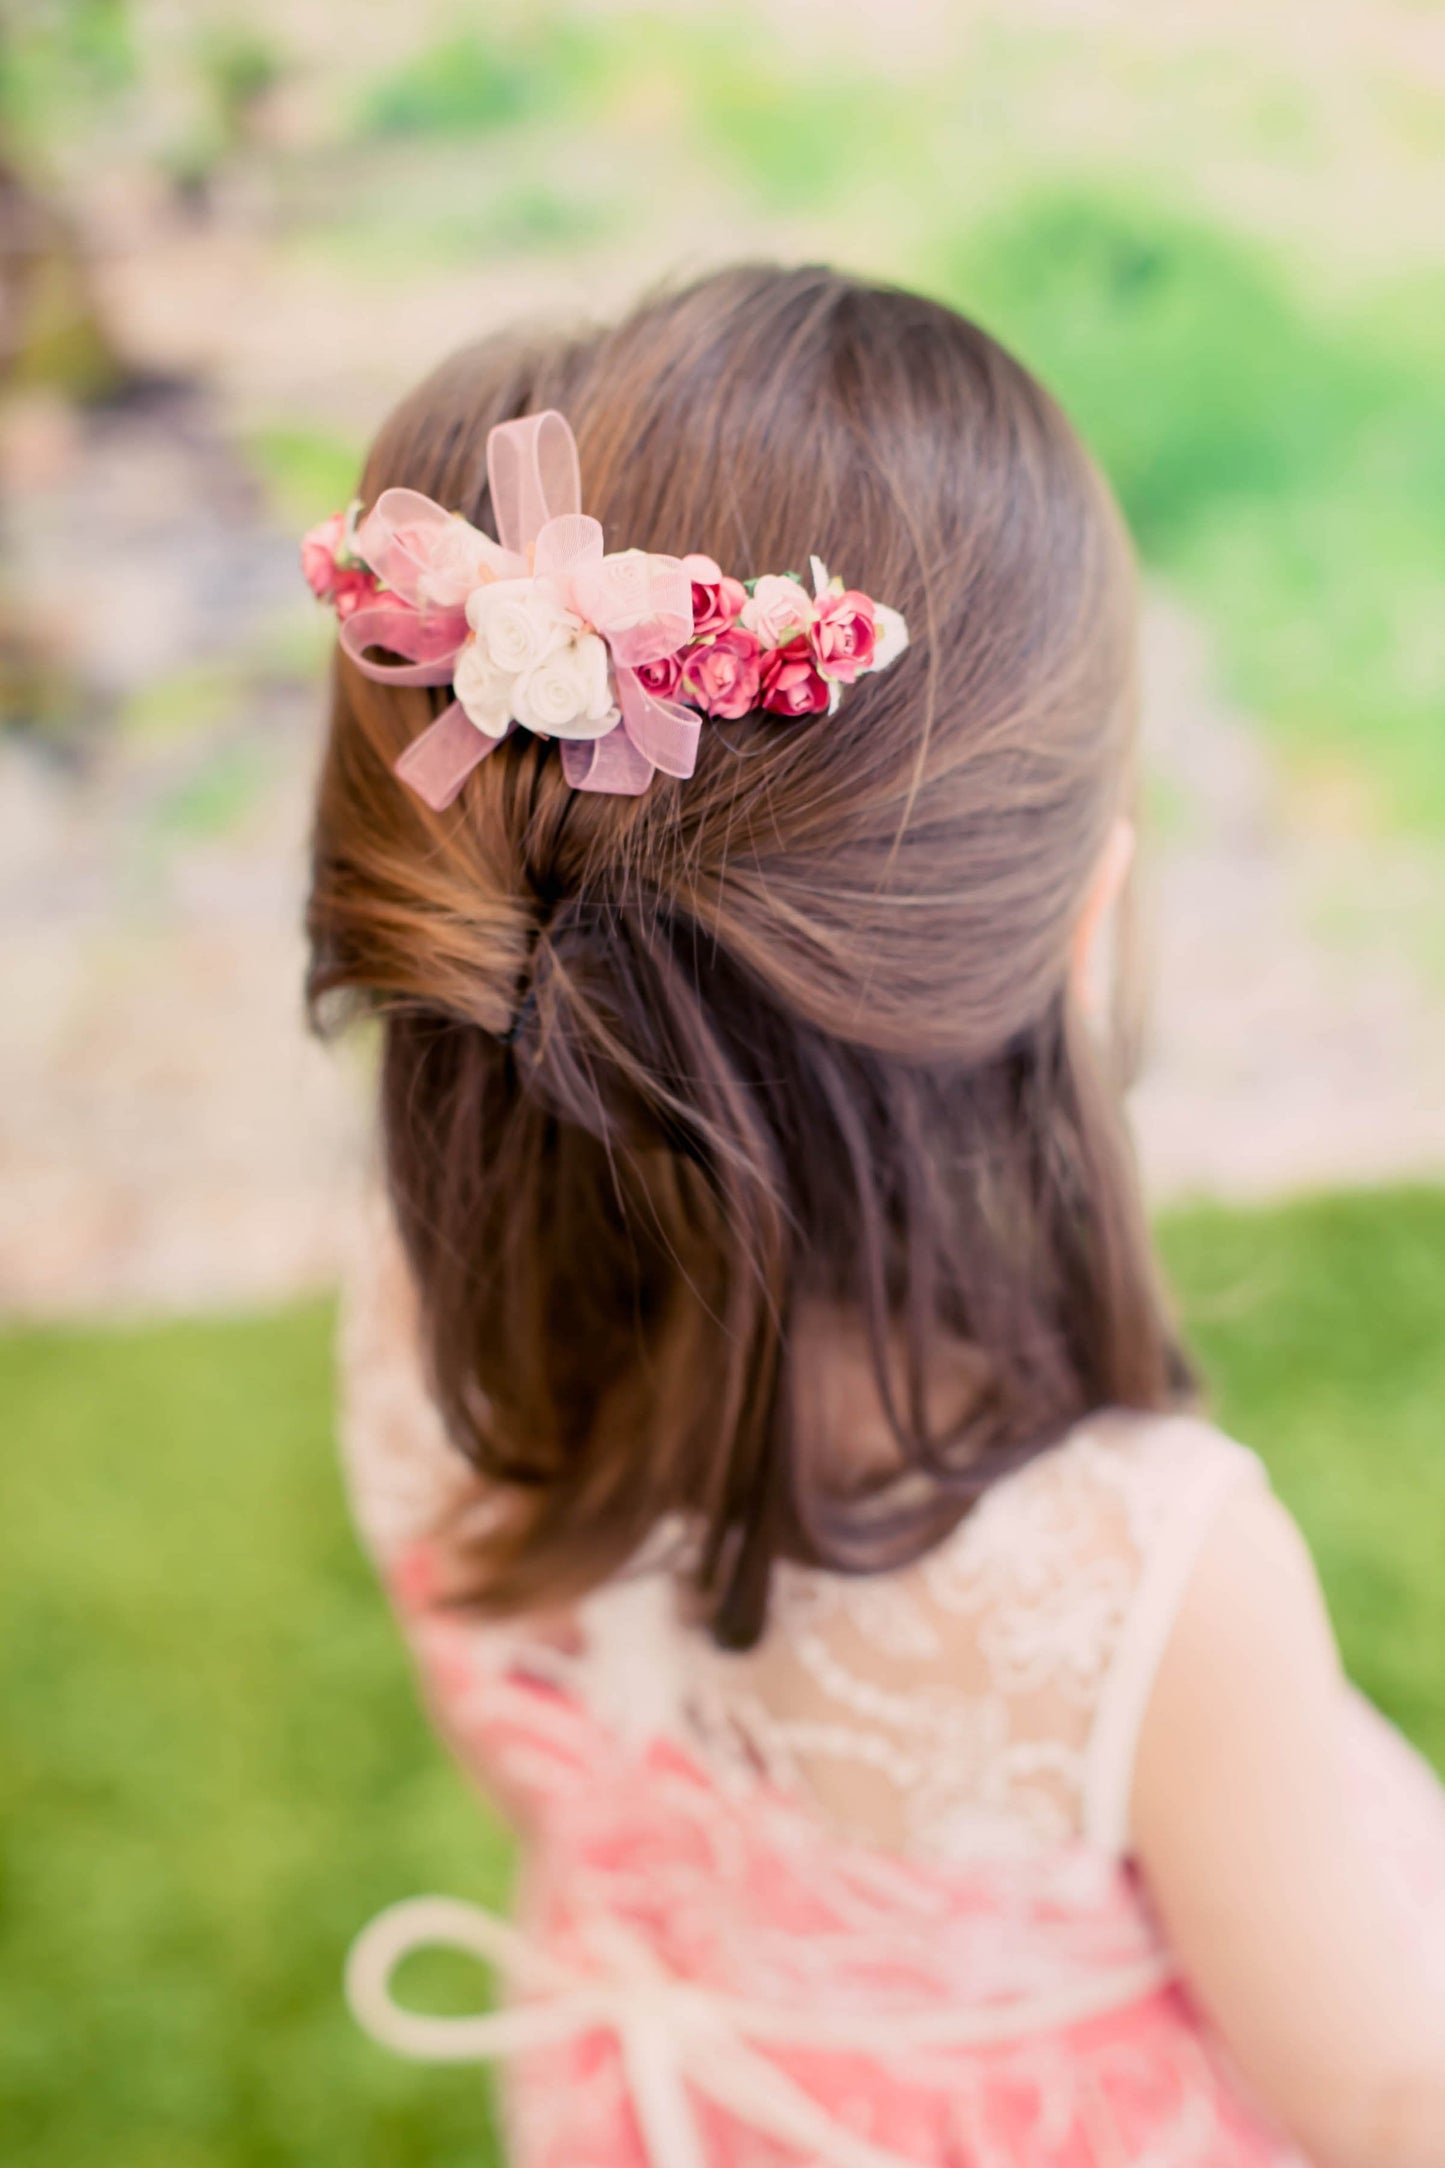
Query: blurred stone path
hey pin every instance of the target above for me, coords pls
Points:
(1298, 1006)
(170, 1139)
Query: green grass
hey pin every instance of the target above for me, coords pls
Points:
(1280, 459)
(1321, 1326)
(485, 75)
(308, 472)
(215, 1768)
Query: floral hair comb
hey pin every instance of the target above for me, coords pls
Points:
(618, 656)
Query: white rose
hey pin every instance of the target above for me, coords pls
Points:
(520, 622)
(483, 691)
(777, 608)
(569, 693)
(892, 636)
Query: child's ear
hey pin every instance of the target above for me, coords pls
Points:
(1087, 978)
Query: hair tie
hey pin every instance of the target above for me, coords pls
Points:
(520, 1016)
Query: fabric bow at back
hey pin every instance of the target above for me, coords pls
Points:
(430, 561)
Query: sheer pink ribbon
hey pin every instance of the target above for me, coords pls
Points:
(431, 560)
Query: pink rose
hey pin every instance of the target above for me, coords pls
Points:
(662, 677)
(777, 610)
(845, 635)
(716, 600)
(791, 681)
(318, 555)
(722, 676)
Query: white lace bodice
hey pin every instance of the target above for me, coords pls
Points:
(988, 1699)
(984, 1702)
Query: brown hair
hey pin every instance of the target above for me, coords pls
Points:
(794, 1033)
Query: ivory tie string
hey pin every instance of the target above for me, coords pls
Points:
(674, 2034)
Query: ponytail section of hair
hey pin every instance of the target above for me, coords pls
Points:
(668, 1080)
(599, 1218)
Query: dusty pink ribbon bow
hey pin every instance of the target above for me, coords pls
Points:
(431, 560)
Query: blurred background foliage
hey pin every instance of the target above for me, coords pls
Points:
(229, 237)
(1226, 269)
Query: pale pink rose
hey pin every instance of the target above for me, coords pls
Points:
(791, 681)
(721, 677)
(662, 678)
(716, 600)
(845, 635)
(319, 547)
(777, 609)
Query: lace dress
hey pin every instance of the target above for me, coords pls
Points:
(859, 1897)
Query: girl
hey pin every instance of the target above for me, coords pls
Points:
(925, 1732)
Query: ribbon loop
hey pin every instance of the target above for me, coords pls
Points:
(429, 639)
(533, 475)
(430, 557)
(564, 550)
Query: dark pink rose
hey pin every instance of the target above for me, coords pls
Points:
(845, 634)
(662, 677)
(716, 600)
(350, 588)
(791, 681)
(721, 677)
(318, 555)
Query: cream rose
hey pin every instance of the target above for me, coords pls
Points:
(892, 636)
(568, 694)
(483, 692)
(519, 622)
(777, 609)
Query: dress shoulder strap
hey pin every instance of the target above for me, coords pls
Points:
(1175, 1474)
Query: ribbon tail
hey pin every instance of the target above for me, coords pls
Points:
(756, 2092)
(663, 731)
(611, 764)
(436, 764)
(659, 2096)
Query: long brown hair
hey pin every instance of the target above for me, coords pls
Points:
(661, 1074)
